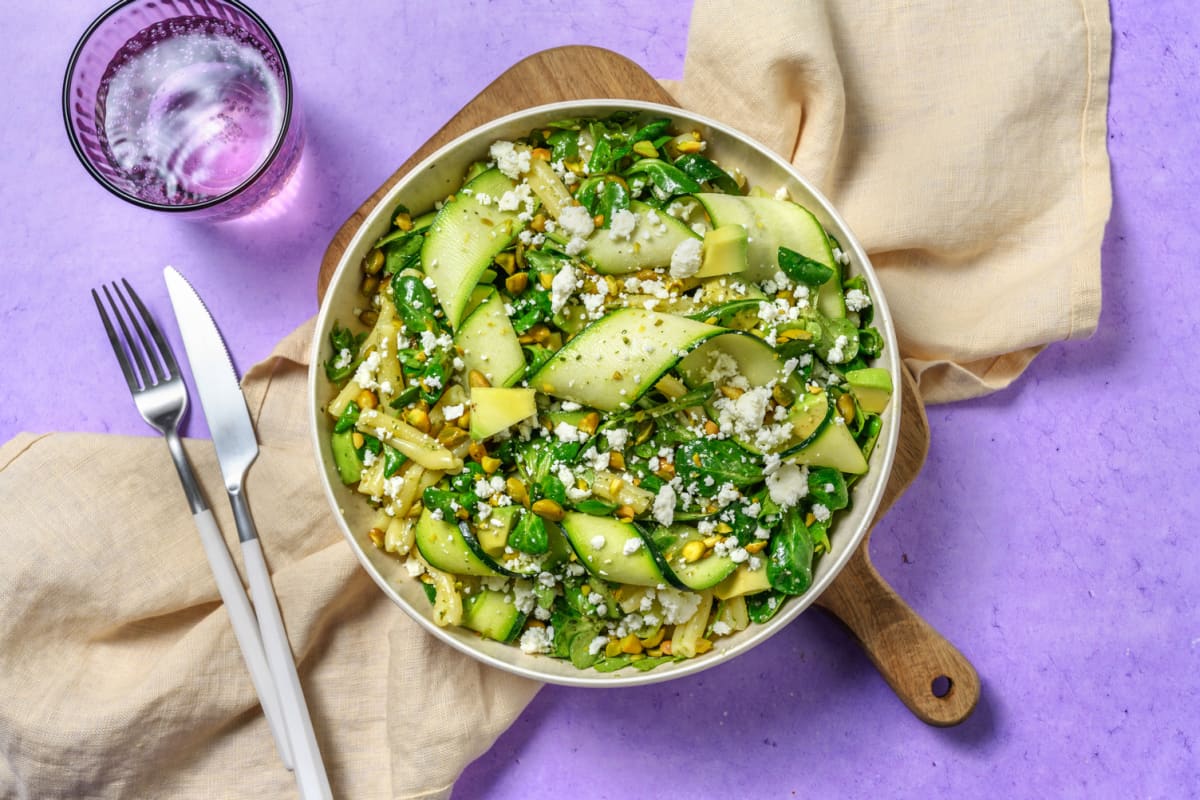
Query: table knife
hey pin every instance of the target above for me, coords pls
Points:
(237, 447)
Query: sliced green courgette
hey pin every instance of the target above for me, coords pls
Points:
(492, 614)
(610, 549)
(489, 344)
(697, 575)
(651, 244)
(443, 545)
(615, 360)
(464, 238)
(833, 447)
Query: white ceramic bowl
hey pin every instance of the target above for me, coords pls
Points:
(440, 175)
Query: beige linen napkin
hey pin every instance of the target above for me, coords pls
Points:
(965, 145)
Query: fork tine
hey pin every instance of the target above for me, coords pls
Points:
(150, 354)
(122, 359)
(164, 349)
(129, 341)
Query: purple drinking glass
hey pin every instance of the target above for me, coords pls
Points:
(183, 106)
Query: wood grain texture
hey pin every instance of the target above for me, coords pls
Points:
(907, 650)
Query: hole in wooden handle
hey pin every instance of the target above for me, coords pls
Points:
(941, 686)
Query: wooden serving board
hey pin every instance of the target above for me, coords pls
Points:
(916, 660)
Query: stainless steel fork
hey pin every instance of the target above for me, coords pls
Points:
(161, 398)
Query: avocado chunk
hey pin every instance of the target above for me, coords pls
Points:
(493, 532)
(742, 582)
(872, 386)
(724, 251)
(495, 409)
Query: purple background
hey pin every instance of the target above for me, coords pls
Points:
(1051, 535)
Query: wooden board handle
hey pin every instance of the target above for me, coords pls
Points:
(927, 673)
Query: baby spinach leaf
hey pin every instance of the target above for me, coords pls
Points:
(668, 179)
(370, 444)
(866, 315)
(414, 303)
(789, 564)
(870, 342)
(343, 340)
(705, 171)
(393, 459)
(596, 507)
(348, 418)
(613, 663)
(530, 535)
(803, 269)
(408, 395)
(403, 253)
(827, 487)
(722, 459)
(563, 144)
(761, 606)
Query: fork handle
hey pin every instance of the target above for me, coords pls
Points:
(245, 628)
(310, 769)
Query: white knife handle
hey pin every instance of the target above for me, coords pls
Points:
(310, 770)
(245, 628)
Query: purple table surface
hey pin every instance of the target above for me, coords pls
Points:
(1049, 535)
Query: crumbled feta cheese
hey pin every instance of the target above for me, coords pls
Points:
(597, 644)
(364, 376)
(453, 412)
(836, 353)
(597, 542)
(514, 199)
(523, 596)
(343, 360)
(685, 260)
(820, 512)
(632, 545)
(537, 640)
(677, 606)
(788, 484)
(565, 282)
(576, 221)
(622, 224)
(721, 628)
(782, 193)
(664, 505)
(857, 300)
(566, 432)
(511, 161)
(617, 438)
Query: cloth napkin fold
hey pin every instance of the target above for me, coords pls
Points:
(965, 146)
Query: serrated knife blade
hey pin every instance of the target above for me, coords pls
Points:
(216, 381)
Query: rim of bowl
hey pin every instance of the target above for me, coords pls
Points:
(276, 148)
(588, 678)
